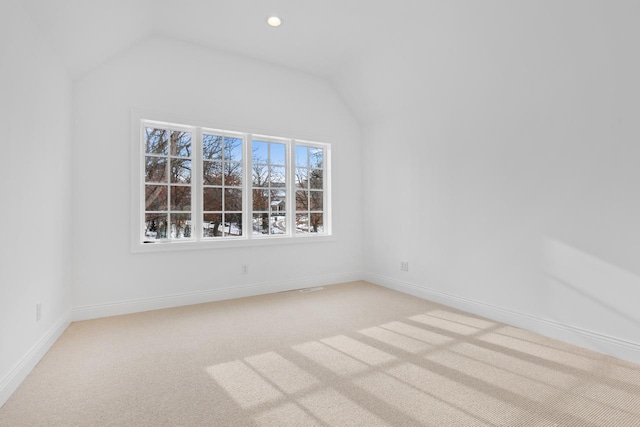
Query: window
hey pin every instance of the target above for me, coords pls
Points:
(167, 180)
(269, 187)
(222, 185)
(310, 190)
(199, 186)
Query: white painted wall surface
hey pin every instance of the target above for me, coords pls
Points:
(502, 161)
(35, 248)
(184, 80)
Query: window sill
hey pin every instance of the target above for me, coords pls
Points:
(173, 246)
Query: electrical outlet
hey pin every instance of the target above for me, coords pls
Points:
(404, 266)
(245, 269)
(38, 311)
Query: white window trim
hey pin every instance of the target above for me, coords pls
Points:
(249, 239)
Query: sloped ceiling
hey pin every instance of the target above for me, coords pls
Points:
(326, 39)
(316, 37)
(86, 33)
(380, 55)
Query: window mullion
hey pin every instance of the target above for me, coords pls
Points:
(142, 150)
(247, 186)
(326, 187)
(196, 185)
(290, 188)
(222, 185)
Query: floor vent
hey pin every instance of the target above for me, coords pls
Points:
(304, 291)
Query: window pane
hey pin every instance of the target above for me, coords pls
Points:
(316, 157)
(155, 169)
(180, 198)
(212, 199)
(277, 176)
(156, 198)
(316, 180)
(233, 149)
(278, 223)
(212, 173)
(301, 156)
(316, 200)
(260, 200)
(233, 224)
(302, 200)
(302, 178)
(317, 223)
(302, 223)
(180, 226)
(260, 152)
(180, 171)
(211, 147)
(232, 199)
(233, 174)
(211, 225)
(157, 141)
(260, 223)
(181, 143)
(278, 155)
(278, 198)
(260, 174)
(155, 226)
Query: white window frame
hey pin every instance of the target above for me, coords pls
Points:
(138, 123)
(199, 184)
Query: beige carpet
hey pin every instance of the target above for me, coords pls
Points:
(349, 355)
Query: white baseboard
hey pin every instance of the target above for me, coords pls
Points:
(155, 303)
(605, 344)
(612, 346)
(14, 378)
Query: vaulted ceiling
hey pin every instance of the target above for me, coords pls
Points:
(330, 39)
(376, 53)
(316, 37)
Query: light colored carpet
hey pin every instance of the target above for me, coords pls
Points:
(350, 355)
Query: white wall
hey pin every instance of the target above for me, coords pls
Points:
(35, 249)
(502, 163)
(187, 81)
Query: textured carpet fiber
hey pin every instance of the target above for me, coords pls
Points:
(349, 355)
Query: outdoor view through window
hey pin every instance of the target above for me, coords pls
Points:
(205, 185)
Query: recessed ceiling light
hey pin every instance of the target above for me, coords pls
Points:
(274, 21)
